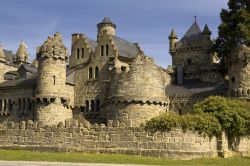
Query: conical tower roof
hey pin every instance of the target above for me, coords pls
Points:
(193, 33)
(22, 54)
(106, 20)
(206, 30)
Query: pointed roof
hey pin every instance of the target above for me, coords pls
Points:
(206, 30)
(106, 20)
(22, 50)
(193, 33)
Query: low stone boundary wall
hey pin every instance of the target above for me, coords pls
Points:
(75, 136)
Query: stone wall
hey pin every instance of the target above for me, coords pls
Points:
(113, 138)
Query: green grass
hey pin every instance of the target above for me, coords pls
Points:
(20, 155)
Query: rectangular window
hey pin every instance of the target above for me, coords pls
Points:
(54, 80)
(78, 53)
(82, 52)
(189, 61)
(102, 50)
(107, 50)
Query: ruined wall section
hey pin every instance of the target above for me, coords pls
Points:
(137, 95)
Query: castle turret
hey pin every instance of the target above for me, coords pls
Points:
(172, 40)
(106, 25)
(22, 54)
(238, 71)
(2, 56)
(51, 99)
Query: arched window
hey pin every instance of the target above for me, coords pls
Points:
(96, 72)
(90, 73)
(78, 53)
(107, 49)
(92, 105)
(82, 52)
(97, 105)
(87, 106)
(102, 50)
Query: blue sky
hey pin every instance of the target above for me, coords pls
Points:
(148, 22)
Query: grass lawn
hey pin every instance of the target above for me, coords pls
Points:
(114, 158)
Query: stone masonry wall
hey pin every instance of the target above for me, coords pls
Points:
(76, 136)
(116, 138)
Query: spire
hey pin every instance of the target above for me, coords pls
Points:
(206, 30)
(22, 54)
(173, 34)
(2, 55)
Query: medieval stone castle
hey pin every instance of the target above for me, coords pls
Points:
(97, 98)
(111, 79)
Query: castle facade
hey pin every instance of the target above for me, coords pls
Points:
(111, 79)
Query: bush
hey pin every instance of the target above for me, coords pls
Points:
(210, 117)
(233, 115)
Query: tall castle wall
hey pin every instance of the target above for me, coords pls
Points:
(137, 95)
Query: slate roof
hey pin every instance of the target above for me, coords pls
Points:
(196, 87)
(70, 76)
(20, 82)
(107, 20)
(28, 68)
(125, 48)
(193, 33)
(9, 56)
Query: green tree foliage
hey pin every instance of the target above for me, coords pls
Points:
(235, 27)
(210, 117)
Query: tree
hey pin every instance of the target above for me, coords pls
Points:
(235, 27)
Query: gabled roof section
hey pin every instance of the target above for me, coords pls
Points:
(193, 33)
(28, 68)
(125, 48)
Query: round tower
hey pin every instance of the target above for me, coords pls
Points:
(239, 73)
(137, 95)
(172, 40)
(106, 25)
(51, 82)
(22, 55)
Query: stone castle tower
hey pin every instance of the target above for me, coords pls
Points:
(51, 99)
(106, 25)
(22, 55)
(239, 73)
